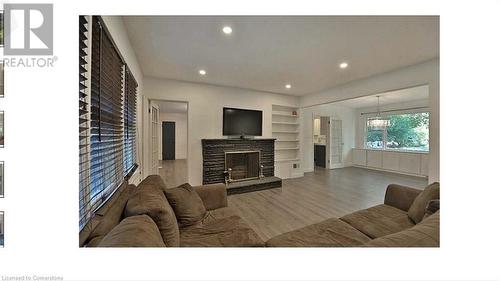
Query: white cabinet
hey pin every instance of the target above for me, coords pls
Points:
(409, 163)
(324, 126)
(424, 164)
(359, 157)
(374, 158)
(317, 127)
(390, 160)
(413, 163)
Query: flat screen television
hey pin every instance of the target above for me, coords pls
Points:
(241, 122)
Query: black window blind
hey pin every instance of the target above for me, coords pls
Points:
(129, 119)
(107, 118)
(83, 117)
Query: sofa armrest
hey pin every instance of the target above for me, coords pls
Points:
(214, 196)
(400, 196)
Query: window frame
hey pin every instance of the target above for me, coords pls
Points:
(388, 113)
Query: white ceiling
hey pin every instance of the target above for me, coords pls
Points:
(172, 107)
(266, 52)
(388, 98)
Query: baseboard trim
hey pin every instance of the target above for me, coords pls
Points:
(308, 170)
(390, 171)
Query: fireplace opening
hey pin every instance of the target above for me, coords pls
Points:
(242, 165)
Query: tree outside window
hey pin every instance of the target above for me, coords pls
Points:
(406, 132)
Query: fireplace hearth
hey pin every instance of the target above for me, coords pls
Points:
(242, 164)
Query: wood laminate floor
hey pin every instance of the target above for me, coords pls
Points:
(173, 172)
(317, 196)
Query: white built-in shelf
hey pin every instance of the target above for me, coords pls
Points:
(285, 114)
(286, 160)
(286, 130)
(285, 123)
(286, 148)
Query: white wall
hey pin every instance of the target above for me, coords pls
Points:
(181, 134)
(120, 37)
(348, 117)
(419, 74)
(205, 103)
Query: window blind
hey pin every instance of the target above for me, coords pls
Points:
(129, 119)
(83, 117)
(107, 117)
(106, 130)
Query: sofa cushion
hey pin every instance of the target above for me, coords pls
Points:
(329, 233)
(417, 208)
(379, 220)
(218, 214)
(136, 231)
(87, 231)
(112, 211)
(214, 196)
(154, 180)
(424, 234)
(94, 242)
(150, 200)
(229, 231)
(187, 204)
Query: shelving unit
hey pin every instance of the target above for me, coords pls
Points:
(286, 130)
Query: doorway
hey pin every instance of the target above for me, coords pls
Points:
(321, 139)
(170, 147)
(328, 142)
(168, 140)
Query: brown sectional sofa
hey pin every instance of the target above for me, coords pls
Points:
(221, 227)
(385, 225)
(396, 223)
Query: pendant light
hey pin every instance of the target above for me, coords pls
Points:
(378, 123)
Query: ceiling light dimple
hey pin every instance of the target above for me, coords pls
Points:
(227, 30)
(343, 65)
(202, 72)
(288, 86)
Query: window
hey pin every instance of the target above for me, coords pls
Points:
(107, 117)
(129, 118)
(408, 131)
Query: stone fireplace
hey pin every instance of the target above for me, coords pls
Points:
(215, 152)
(242, 165)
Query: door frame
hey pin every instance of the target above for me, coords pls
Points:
(146, 144)
(154, 162)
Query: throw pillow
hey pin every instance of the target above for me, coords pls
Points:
(136, 231)
(432, 207)
(417, 208)
(187, 204)
(149, 200)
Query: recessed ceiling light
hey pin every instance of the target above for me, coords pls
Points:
(343, 65)
(288, 86)
(227, 29)
(202, 72)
